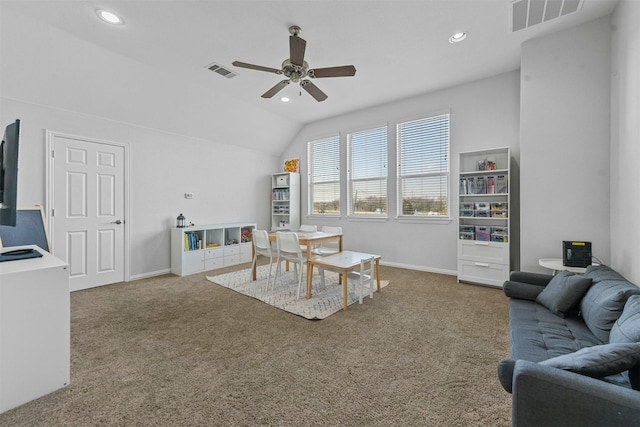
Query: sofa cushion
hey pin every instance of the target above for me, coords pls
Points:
(599, 361)
(564, 292)
(537, 334)
(604, 301)
(627, 327)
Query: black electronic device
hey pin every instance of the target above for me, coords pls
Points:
(576, 254)
(9, 174)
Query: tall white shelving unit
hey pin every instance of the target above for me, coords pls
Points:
(207, 247)
(285, 201)
(485, 217)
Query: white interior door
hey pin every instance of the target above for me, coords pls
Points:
(88, 216)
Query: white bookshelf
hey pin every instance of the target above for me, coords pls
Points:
(285, 201)
(207, 247)
(484, 216)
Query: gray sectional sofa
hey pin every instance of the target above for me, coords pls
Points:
(575, 349)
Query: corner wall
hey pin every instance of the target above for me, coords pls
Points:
(625, 140)
(565, 142)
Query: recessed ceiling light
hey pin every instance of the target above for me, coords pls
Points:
(457, 37)
(109, 17)
(285, 99)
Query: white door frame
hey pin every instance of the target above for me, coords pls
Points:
(50, 193)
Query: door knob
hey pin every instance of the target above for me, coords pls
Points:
(117, 222)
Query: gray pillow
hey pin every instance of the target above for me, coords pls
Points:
(563, 292)
(627, 327)
(600, 360)
(603, 304)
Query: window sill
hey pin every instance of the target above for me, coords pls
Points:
(424, 220)
(368, 218)
(329, 217)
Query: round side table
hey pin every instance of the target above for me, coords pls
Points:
(555, 264)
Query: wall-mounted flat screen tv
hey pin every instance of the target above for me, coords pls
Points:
(9, 174)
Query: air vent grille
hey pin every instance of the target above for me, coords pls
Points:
(219, 69)
(527, 13)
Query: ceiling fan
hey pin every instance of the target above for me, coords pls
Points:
(296, 69)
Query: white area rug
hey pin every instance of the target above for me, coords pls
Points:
(324, 300)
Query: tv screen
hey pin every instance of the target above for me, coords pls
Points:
(9, 174)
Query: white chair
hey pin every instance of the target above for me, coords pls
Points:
(307, 229)
(262, 246)
(364, 278)
(328, 248)
(289, 250)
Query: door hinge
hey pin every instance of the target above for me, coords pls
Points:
(53, 153)
(53, 212)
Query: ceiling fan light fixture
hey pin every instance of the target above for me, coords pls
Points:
(109, 17)
(457, 37)
(285, 99)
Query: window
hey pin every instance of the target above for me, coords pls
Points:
(368, 172)
(324, 176)
(423, 167)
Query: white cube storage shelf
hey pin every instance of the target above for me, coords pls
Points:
(208, 247)
(484, 218)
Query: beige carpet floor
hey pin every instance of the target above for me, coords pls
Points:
(180, 351)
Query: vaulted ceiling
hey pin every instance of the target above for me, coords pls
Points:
(399, 48)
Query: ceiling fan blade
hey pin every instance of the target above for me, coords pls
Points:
(297, 46)
(313, 90)
(256, 67)
(343, 71)
(277, 88)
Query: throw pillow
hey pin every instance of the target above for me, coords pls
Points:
(627, 327)
(600, 360)
(563, 292)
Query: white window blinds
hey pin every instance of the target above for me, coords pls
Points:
(368, 172)
(423, 169)
(324, 176)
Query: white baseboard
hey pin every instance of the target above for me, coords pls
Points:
(150, 274)
(419, 268)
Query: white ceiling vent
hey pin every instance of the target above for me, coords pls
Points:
(217, 68)
(531, 12)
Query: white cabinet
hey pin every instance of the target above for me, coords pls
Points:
(34, 328)
(207, 247)
(484, 216)
(285, 201)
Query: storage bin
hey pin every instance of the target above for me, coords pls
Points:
(466, 212)
(482, 214)
(282, 181)
(499, 214)
(502, 238)
(483, 233)
(467, 228)
(467, 206)
(498, 206)
(482, 206)
(499, 230)
(467, 236)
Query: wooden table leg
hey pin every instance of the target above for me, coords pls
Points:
(344, 290)
(255, 265)
(309, 278)
(378, 273)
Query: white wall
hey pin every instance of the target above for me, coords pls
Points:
(564, 142)
(484, 114)
(182, 137)
(230, 184)
(625, 140)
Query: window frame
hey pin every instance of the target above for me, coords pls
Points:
(350, 180)
(311, 184)
(400, 176)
